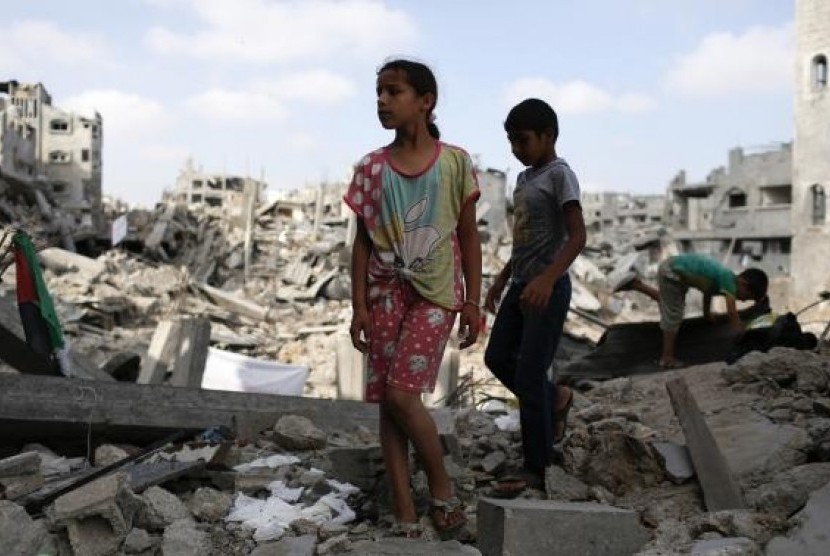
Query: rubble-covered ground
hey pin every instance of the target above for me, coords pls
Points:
(300, 490)
(297, 485)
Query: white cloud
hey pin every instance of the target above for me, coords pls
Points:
(725, 64)
(320, 86)
(268, 98)
(125, 114)
(576, 97)
(164, 153)
(35, 42)
(259, 31)
(241, 106)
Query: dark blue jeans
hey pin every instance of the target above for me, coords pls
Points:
(520, 351)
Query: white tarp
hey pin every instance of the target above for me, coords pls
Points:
(237, 373)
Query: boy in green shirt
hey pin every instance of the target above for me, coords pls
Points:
(677, 274)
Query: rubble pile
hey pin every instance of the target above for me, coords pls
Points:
(297, 487)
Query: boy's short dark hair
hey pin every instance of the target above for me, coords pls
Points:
(532, 114)
(756, 281)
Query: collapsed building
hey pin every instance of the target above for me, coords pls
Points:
(45, 146)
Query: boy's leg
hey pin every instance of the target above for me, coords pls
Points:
(647, 289)
(540, 337)
(672, 306)
(501, 355)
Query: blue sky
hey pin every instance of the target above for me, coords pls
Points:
(644, 88)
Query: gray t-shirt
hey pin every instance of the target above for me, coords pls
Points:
(539, 220)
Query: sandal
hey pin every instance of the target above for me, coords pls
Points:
(560, 418)
(512, 486)
(440, 512)
(407, 530)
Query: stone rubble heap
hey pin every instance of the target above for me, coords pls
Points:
(625, 475)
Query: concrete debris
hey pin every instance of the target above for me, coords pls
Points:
(305, 475)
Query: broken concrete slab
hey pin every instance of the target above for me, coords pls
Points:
(544, 527)
(360, 466)
(720, 489)
(38, 408)
(809, 536)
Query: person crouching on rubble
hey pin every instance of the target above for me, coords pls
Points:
(548, 234)
(416, 263)
(691, 270)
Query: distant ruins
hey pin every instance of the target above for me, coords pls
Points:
(43, 144)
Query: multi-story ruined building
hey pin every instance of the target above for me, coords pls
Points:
(607, 210)
(740, 213)
(42, 142)
(769, 208)
(492, 205)
(811, 157)
(197, 187)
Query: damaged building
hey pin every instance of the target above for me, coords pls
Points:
(196, 187)
(768, 207)
(42, 143)
(740, 213)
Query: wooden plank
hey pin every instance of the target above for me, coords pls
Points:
(720, 489)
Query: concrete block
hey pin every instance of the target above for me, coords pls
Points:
(20, 535)
(27, 463)
(96, 499)
(510, 527)
(17, 486)
(94, 536)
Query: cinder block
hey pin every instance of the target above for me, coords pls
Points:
(97, 499)
(514, 527)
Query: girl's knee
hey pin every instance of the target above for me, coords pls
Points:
(399, 402)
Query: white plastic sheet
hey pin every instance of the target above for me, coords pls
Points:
(237, 373)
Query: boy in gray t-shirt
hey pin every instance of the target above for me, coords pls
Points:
(548, 234)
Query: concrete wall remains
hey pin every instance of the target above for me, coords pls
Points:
(811, 162)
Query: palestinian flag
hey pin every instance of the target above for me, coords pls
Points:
(37, 312)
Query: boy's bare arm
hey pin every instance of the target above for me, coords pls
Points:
(732, 312)
(537, 293)
(495, 291)
(470, 245)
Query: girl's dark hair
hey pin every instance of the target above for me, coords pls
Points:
(532, 114)
(420, 78)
